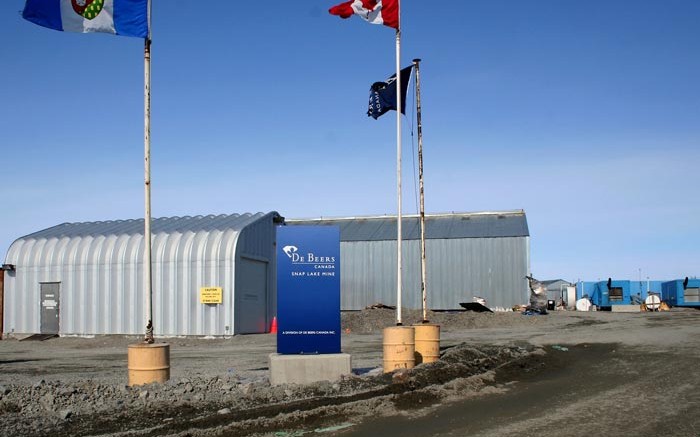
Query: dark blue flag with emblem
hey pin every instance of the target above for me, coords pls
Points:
(382, 95)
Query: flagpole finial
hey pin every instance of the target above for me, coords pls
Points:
(417, 60)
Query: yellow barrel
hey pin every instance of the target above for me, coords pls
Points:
(427, 343)
(148, 363)
(399, 348)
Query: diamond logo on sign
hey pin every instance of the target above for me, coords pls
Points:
(290, 250)
(88, 8)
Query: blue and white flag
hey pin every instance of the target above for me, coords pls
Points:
(119, 17)
(382, 95)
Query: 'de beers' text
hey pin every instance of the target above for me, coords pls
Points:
(311, 258)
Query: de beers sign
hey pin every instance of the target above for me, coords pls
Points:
(308, 289)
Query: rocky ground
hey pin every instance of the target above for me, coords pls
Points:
(77, 386)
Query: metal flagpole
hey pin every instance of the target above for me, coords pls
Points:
(147, 265)
(424, 292)
(148, 355)
(398, 174)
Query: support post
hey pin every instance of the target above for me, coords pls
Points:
(424, 291)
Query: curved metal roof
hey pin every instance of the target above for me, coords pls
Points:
(166, 225)
(115, 236)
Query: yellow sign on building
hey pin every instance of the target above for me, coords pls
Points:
(211, 295)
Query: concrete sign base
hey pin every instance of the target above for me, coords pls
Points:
(304, 369)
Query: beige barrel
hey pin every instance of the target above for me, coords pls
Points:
(399, 348)
(148, 363)
(427, 343)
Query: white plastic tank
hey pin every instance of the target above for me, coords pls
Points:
(652, 302)
(583, 304)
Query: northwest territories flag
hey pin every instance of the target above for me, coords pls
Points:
(119, 17)
(382, 95)
(384, 12)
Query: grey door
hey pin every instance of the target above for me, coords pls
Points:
(251, 297)
(49, 307)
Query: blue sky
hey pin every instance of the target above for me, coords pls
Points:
(586, 114)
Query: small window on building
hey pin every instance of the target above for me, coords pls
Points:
(616, 293)
(691, 294)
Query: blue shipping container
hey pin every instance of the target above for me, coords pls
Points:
(681, 293)
(609, 293)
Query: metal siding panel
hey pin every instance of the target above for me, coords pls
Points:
(197, 260)
(162, 325)
(97, 272)
(213, 324)
(119, 312)
(16, 316)
(134, 299)
(457, 270)
(109, 285)
(411, 296)
(368, 274)
(186, 282)
(228, 258)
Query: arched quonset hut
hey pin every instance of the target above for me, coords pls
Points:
(87, 278)
(485, 254)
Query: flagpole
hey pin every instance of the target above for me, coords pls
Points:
(147, 258)
(398, 176)
(424, 291)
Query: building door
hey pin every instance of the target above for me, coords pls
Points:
(2, 300)
(251, 297)
(49, 307)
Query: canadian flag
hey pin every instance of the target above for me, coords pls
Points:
(384, 12)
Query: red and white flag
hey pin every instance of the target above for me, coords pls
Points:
(384, 12)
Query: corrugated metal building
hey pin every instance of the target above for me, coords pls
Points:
(556, 288)
(471, 254)
(89, 276)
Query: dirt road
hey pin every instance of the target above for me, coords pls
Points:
(564, 374)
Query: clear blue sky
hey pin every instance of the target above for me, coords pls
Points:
(586, 114)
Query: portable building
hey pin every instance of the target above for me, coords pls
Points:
(212, 275)
(608, 293)
(637, 290)
(681, 292)
(468, 255)
(556, 289)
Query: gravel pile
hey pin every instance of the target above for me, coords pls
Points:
(45, 406)
(371, 321)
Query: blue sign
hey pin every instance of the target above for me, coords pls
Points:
(308, 289)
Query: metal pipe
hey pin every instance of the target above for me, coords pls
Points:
(424, 292)
(147, 270)
(398, 178)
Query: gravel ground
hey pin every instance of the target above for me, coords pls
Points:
(77, 386)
